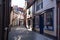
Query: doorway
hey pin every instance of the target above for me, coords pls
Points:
(41, 23)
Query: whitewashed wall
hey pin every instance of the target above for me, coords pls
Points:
(47, 4)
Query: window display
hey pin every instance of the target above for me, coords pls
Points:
(49, 20)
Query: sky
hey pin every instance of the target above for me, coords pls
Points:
(19, 3)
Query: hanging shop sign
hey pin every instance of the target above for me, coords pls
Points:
(30, 2)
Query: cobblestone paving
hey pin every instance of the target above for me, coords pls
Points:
(18, 33)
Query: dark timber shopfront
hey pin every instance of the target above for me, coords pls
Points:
(58, 20)
(4, 18)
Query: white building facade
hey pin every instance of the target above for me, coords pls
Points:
(29, 18)
(48, 9)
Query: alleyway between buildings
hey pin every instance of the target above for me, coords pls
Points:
(21, 33)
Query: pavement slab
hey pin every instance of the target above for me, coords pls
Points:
(18, 33)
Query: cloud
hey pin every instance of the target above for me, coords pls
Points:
(20, 3)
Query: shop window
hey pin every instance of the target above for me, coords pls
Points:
(49, 20)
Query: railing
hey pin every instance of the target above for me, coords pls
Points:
(39, 6)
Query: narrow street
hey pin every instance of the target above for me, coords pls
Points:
(29, 19)
(21, 33)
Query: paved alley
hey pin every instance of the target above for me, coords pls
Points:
(21, 33)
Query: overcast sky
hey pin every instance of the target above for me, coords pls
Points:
(20, 3)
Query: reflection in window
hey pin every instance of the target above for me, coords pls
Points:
(49, 18)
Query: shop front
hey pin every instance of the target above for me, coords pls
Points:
(44, 21)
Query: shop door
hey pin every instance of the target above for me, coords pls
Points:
(41, 23)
